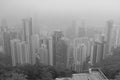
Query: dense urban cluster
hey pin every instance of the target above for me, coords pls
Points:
(31, 55)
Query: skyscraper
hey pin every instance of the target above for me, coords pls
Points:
(80, 53)
(35, 47)
(19, 52)
(23, 51)
(93, 53)
(59, 50)
(27, 29)
(115, 36)
(27, 33)
(50, 50)
(70, 56)
(108, 37)
(6, 45)
(15, 53)
(98, 51)
(44, 57)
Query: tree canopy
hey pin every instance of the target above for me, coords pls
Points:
(111, 65)
(33, 72)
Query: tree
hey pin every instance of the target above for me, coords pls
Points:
(12, 76)
(110, 65)
(33, 72)
(16, 76)
(117, 77)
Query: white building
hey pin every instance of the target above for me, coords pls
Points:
(80, 53)
(24, 57)
(15, 52)
(50, 50)
(35, 47)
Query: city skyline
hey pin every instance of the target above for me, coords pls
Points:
(53, 39)
(39, 45)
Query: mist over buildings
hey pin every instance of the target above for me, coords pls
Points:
(50, 39)
(54, 13)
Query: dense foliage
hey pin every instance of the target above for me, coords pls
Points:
(32, 72)
(111, 65)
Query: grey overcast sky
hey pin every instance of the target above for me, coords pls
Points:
(92, 11)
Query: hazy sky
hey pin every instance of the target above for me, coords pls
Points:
(92, 11)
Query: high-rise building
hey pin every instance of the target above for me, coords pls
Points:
(1, 39)
(50, 50)
(6, 44)
(42, 48)
(7, 34)
(61, 54)
(27, 29)
(97, 50)
(100, 52)
(108, 37)
(118, 36)
(24, 57)
(70, 56)
(56, 37)
(35, 47)
(27, 33)
(44, 57)
(19, 52)
(15, 53)
(6, 39)
(115, 40)
(93, 53)
(59, 50)
(80, 53)
(80, 57)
